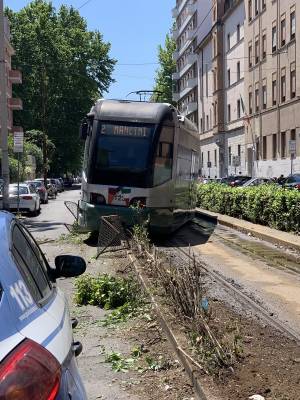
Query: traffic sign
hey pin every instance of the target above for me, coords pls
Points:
(208, 164)
(292, 146)
(236, 161)
(18, 142)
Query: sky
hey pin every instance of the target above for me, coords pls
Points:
(134, 28)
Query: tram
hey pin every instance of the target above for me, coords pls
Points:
(138, 153)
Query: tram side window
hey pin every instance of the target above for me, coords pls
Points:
(164, 156)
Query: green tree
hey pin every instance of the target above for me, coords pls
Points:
(65, 69)
(167, 66)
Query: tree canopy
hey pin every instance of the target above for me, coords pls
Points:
(167, 66)
(65, 69)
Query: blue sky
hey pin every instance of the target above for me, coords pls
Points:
(134, 28)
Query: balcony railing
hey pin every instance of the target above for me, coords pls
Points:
(175, 76)
(15, 76)
(175, 96)
(15, 104)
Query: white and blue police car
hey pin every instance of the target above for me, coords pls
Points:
(37, 350)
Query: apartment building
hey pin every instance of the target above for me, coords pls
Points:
(272, 90)
(221, 92)
(12, 77)
(192, 24)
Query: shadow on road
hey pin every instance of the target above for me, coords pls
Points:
(42, 226)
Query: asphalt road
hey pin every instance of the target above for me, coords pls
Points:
(50, 224)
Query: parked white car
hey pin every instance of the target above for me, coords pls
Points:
(29, 198)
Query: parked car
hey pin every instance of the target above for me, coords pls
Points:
(61, 184)
(29, 199)
(54, 183)
(42, 191)
(257, 182)
(37, 349)
(51, 189)
(292, 182)
(238, 180)
(68, 181)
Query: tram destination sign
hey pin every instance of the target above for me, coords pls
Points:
(126, 130)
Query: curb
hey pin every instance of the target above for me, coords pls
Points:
(285, 239)
(183, 357)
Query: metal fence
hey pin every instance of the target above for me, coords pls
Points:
(112, 236)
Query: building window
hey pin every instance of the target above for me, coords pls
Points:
(238, 71)
(256, 50)
(207, 122)
(274, 147)
(293, 134)
(202, 159)
(263, 4)
(283, 85)
(256, 7)
(293, 80)
(282, 30)
(256, 98)
(228, 41)
(229, 155)
(274, 37)
(239, 151)
(238, 33)
(228, 113)
(264, 95)
(238, 108)
(215, 157)
(274, 89)
(250, 10)
(293, 24)
(250, 100)
(257, 149)
(264, 155)
(215, 46)
(283, 145)
(250, 54)
(264, 45)
(201, 125)
(228, 77)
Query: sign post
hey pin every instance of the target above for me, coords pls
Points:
(292, 149)
(18, 148)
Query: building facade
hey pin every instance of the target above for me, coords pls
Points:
(191, 26)
(246, 93)
(272, 51)
(12, 77)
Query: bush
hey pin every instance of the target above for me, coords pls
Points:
(266, 204)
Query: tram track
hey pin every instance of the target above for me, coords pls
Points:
(233, 289)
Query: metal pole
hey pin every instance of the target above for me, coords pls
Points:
(3, 114)
(292, 157)
(18, 200)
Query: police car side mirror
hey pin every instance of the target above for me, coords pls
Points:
(68, 266)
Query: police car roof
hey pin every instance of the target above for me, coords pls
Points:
(131, 111)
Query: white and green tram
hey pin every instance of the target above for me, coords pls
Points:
(138, 153)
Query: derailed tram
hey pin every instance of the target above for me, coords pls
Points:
(138, 153)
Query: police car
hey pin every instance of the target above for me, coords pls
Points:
(37, 350)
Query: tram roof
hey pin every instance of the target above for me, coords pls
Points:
(125, 110)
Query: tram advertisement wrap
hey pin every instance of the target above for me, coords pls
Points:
(119, 196)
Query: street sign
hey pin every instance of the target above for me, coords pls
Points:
(18, 142)
(208, 164)
(292, 146)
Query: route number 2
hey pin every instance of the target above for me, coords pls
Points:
(21, 294)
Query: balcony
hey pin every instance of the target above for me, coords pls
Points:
(175, 12)
(190, 60)
(15, 104)
(191, 107)
(175, 55)
(191, 34)
(191, 84)
(190, 11)
(175, 96)
(175, 76)
(15, 76)
(175, 33)
(181, 5)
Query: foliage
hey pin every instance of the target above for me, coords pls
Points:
(105, 291)
(118, 363)
(65, 69)
(167, 66)
(268, 205)
(140, 230)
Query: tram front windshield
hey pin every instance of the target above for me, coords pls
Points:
(121, 154)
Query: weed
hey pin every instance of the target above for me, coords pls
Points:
(157, 365)
(118, 363)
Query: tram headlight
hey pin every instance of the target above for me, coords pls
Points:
(98, 199)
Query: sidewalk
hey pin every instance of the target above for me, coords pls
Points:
(274, 236)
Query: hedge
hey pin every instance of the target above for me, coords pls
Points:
(266, 204)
